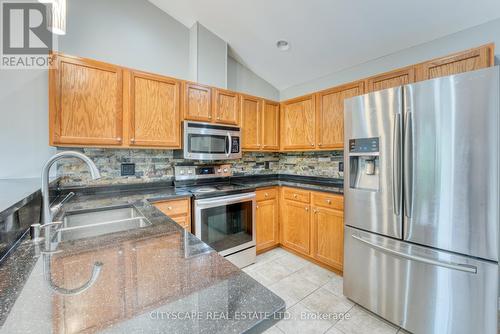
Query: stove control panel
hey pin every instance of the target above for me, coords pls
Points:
(202, 172)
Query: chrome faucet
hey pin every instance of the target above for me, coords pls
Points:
(47, 214)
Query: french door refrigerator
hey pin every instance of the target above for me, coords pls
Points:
(422, 203)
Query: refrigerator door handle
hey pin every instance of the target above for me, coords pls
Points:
(396, 165)
(408, 164)
(450, 265)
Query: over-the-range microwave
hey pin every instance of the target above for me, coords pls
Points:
(206, 141)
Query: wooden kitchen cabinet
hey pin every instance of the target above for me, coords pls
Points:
(295, 223)
(179, 210)
(469, 60)
(270, 126)
(267, 223)
(85, 102)
(251, 123)
(154, 111)
(328, 237)
(298, 123)
(330, 115)
(197, 102)
(391, 79)
(78, 313)
(226, 107)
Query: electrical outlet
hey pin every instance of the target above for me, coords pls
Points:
(128, 169)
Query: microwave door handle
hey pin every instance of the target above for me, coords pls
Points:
(230, 144)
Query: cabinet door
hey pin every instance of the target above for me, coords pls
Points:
(391, 79)
(271, 126)
(298, 123)
(78, 313)
(86, 103)
(267, 224)
(183, 221)
(155, 111)
(295, 227)
(197, 102)
(330, 119)
(251, 123)
(328, 237)
(470, 60)
(227, 110)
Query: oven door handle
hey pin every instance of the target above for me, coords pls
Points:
(214, 202)
(230, 144)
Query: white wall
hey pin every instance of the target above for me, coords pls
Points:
(242, 79)
(210, 57)
(483, 34)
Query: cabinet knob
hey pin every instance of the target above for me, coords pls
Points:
(320, 144)
(266, 194)
(209, 117)
(329, 201)
(315, 211)
(307, 209)
(295, 195)
(119, 138)
(257, 207)
(132, 140)
(312, 145)
(170, 208)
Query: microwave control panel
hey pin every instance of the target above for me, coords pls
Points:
(235, 145)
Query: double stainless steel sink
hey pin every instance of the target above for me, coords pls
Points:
(92, 223)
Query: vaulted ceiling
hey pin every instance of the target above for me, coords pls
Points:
(325, 35)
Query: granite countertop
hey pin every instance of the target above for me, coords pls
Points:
(159, 278)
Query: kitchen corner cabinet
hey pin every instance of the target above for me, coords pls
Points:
(330, 115)
(267, 223)
(226, 107)
(154, 111)
(251, 120)
(259, 124)
(270, 126)
(298, 122)
(295, 220)
(469, 60)
(197, 102)
(85, 102)
(391, 79)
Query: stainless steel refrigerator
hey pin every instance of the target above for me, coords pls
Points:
(422, 203)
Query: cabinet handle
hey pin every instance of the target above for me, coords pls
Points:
(257, 207)
(266, 194)
(119, 138)
(295, 195)
(170, 208)
(218, 118)
(209, 117)
(307, 209)
(329, 201)
(320, 144)
(312, 145)
(132, 140)
(315, 211)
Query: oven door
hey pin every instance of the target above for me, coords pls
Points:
(227, 224)
(204, 141)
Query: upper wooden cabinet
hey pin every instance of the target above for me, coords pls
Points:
(197, 102)
(469, 60)
(330, 115)
(86, 102)
(154, 111)
(270, 126)
(226, 107)
(391, 79)
(251, 120)
(259, 124)
(298, 123)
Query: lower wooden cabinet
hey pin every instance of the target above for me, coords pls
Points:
(328, 237)
(296, 226)
(267, 223)
(179, 210)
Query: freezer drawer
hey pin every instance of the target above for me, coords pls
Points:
(420, 289)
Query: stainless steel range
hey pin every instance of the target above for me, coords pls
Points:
(224, 213)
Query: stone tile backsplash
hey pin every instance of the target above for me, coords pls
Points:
(158, 165)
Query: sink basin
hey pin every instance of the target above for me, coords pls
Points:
(87, 224)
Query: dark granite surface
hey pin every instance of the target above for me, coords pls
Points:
(157, 279)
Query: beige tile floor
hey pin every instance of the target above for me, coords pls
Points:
(308, 291)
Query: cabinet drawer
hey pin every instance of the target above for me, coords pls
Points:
(330, 201)
(266, 194)
(296, 195)
(174, 207)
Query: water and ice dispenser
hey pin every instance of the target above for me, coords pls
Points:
(364, 164)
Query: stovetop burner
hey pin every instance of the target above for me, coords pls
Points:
(204, 190)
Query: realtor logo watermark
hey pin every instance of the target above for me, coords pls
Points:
(26, 40)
